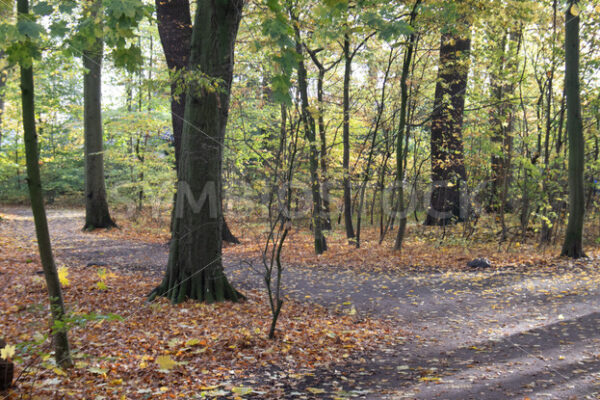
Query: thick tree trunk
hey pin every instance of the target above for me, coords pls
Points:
(346, 139)
(61, 341)
(96, 206)
(310, 133)
(447, 160)
(573, 245)
(195, 268)
(175, 30)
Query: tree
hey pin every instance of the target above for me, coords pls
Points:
(5, 11)
(402, 127)
(573, 244)
(96, 205)
(348, 56)
(447, 160)
(310, 132)
(175, 30)
(195, 268)
(61, 341)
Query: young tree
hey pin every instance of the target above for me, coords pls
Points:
(447, 160)
(5, 11)
(573, 244)
(310, 132)
(61, 341)
(195, 268)
(402, 126)
(96, 205)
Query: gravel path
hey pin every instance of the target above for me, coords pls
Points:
(508, 333)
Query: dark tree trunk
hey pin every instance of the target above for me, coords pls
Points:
(175, 30)
(502, 124)
(400, 151)
(195, 268)
(447, 161)
(61, 342)
(96, 205)
(346, 139)
(3, 74)
(323, 137)
(573, 245)
(310, 133)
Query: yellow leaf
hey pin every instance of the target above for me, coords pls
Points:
(116, 382)
(63, 274)
(59, 371)
(315, 390)
(574, 10)
(8, 352)
(101, 286)
(430, 379)
(242, 390)
(192, 342)
(166, 362)
(209, 387)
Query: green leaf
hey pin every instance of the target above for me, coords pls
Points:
(30, 29)
(42, 8)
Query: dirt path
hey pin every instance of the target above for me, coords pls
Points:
(493, 334)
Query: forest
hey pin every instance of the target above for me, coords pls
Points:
(298, 199)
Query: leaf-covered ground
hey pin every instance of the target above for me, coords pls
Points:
(158, 350)
(414, 325)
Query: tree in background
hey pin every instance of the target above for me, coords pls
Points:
(573, 244)
(96, 204)
(448, 172)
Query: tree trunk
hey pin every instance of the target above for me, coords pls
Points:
(195, 268)
(96, 206)
(61, 341)
(346, 139)
(3, 74)
(175, 31)
(573, 245)
(447, 161)
(323, 137)
(310, 133)
(400, 151)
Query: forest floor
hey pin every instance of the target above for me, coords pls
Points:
(415, 325)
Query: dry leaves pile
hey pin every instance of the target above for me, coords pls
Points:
(159, 350)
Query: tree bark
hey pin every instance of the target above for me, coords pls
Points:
(310, 133)
(346, 139)
(175, 31)
(61, 342)
(96, 205)
(400, 151)
(573, 245)
(195, 268)
(448, 172)
(3, 74)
